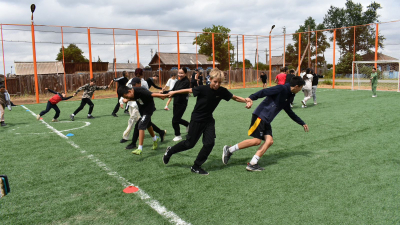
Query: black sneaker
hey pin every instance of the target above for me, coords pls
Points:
(123, 140)
(3, 124)
(130, 146)
(90, 117)
(226, 154)
(166, 157)
(114, 115)
(162, 134)
(72, 117)
(126, 112)
(254, 167)
(198, 170)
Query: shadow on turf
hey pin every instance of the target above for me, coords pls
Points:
(268, 160)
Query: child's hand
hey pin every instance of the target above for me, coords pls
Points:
(125, 100)
(74, 94)
(46, 89)
(171, 93)
(121, 105)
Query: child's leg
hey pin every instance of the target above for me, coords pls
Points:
(141, 137)
(133, 117)
(2, 113)
(178, 112)
(208, 144)
(48, 107)
(264, 147)
(83, 103)
(151, 131)
(91, 105)
(55, 107)
(195, 132)
(169, 100)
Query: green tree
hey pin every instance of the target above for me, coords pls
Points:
(261, 66)
(220, 44)
(72, 52)
(352, 15)
(292, 51)
(345, 63)
(247, 64)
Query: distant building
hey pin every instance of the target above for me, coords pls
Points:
(389, 70)
(128, 67)
(170, 60)
(50, 67)
(277, 63)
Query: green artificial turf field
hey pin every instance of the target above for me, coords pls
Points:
(344, 171)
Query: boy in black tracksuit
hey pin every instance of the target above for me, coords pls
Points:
(144, 99)
(202, 121)
(150, 82)
(180, 103)
(121, 82)
(277, 98)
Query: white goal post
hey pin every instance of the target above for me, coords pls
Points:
(388, 72)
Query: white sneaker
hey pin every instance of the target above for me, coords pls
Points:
(315, 103)
(38, 117)
(304, 103)
(291, 105)
(374, 96)
(54, 120)
(177, 138)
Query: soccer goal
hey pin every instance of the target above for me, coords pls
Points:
(388, 74)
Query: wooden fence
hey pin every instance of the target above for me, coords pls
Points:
(25, 84)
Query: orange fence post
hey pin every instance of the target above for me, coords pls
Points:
(376, 44)
(2, 49)
(137, 48)
(213, 48)
(197, 61)
(334, 60)
(316, 52)
(90, 56)
(179, 56)
(244, 66)
(62, 47)
(159, 60)
(270, 59)
(354, 48)
(299, 67)
(229, 68)
(34, 62)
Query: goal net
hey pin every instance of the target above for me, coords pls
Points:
(388, 75)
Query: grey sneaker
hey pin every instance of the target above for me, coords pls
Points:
(255, 167)
(226, 154)
(72, 117)
(166, 157)
(198, 170)
(304, 103)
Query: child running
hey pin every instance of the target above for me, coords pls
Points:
(277, 98)
(202, 121)
(307, 89)
(88, 90)
(170, 84)
(52, 104)
(145, 101)
(180, 103)
(3, 103)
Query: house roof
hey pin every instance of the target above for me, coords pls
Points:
(277, 61)
(124, 66)
(371, 57)
(50, 67)
(185, 59)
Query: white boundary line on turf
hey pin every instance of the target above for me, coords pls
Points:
(154, 204)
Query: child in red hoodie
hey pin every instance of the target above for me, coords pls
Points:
(52, 103)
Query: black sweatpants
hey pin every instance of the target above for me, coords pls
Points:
(51, 106)
(207, 129)
(135, 136)
(116, 108)
(83, 103)
(178, 111)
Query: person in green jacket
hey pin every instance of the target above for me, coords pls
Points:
(374, 81)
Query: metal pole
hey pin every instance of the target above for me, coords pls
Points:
(376, 45)
(179, 56)
(299, 67)
(229, 69)
(244, 65)
(334, 61)
(213, 48)
(34, 62)
(90, 56)
(137, 48)
(62, 47)
(4, 64)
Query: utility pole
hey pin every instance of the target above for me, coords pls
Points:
(309, 48)
(284, 46)
(255, 58)
(266, 56)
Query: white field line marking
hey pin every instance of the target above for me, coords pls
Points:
(76, 128)
(154, 204)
